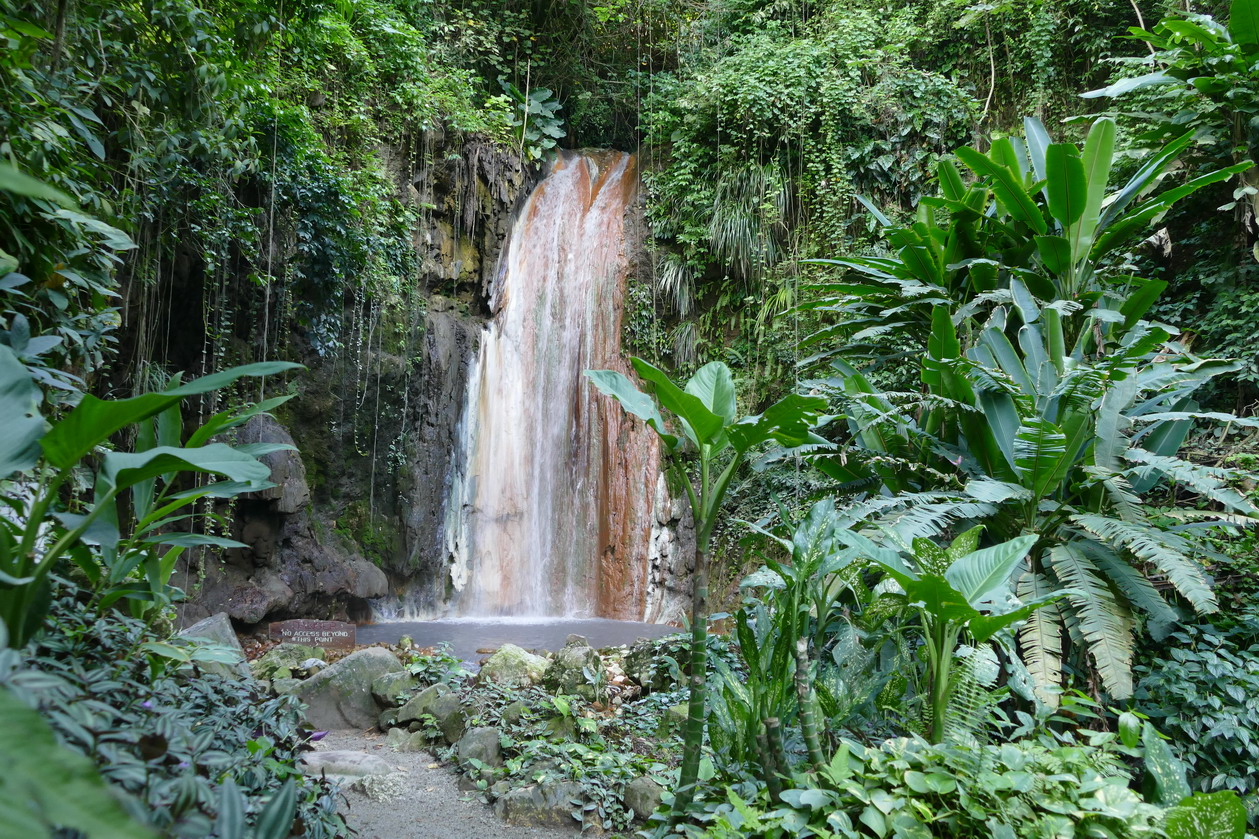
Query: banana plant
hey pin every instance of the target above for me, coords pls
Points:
(38, 529)
(705, 412)
(957, 591)
(1037, 211)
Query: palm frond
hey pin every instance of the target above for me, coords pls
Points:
(1040, 638)
(1104, 622)
(1206, 480)
(1166, 551)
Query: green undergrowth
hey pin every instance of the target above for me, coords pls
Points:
(187, 752)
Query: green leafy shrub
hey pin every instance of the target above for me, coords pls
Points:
(192, 751)
(909, 788)
(1203, 692)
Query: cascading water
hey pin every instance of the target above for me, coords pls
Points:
(551, 501)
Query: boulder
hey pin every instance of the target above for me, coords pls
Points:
(280, 687)
(283, 660)
(447, 710)
(513, 711)
(402, 740)
(548, 804)
(512, 666)
(567, 673)
(420, 704)
(368, 580)
(642, 796)
(217, 629)
(480, 744)
(345, 764)
(340, 695)
(390, 686)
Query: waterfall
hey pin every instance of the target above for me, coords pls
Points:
(550, 507)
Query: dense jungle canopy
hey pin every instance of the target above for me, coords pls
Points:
(902, 353)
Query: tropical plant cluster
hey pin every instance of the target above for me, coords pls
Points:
(1003, 418)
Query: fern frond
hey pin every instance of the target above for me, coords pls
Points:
(1166, 551)
(1104, 622)
(1040, 638)
(975, 672)
(1205, 480)
(1119, 492)
(933, 519)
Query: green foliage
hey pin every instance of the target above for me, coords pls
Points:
(958, 592)
(189, 753)
(438, 667)
(1201, 76)
(1049, 405)
(909, 788)
(534, 115)
(49, 786)
(707, 413)
(1202, 692)
(119, 562)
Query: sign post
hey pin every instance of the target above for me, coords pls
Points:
(335, 634)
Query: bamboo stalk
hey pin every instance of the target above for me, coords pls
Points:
(804, 694)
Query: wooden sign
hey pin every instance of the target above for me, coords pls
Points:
(315, 633)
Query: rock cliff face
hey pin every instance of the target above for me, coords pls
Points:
(374, 419)
(292, 567)
(363, 511)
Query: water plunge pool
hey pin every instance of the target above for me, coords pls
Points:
(467, 635)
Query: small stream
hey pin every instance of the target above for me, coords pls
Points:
(467, 635)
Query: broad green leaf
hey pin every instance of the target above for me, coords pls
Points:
(1066, 186)
(1215, 815)
(983, 627)
(1055, 253)
(1243, 22)
(1038, 142)
(1099, 154)
(1011, 193)
(979, 575)
(1123, 86)
(714, 385)
(789, 422)
(1164, 773)
(704, 425)
(21, 424)
(16, 182)
(94, 420)
(1139, 300)
(633, 400)
(121, 469)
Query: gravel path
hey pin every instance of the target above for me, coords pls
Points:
(430, 806)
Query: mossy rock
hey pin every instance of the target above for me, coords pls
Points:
(512, 666)
(280, 661)
(390, 686)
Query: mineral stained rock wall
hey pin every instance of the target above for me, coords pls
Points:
(474, 471)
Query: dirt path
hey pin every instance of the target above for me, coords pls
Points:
(425, 803)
